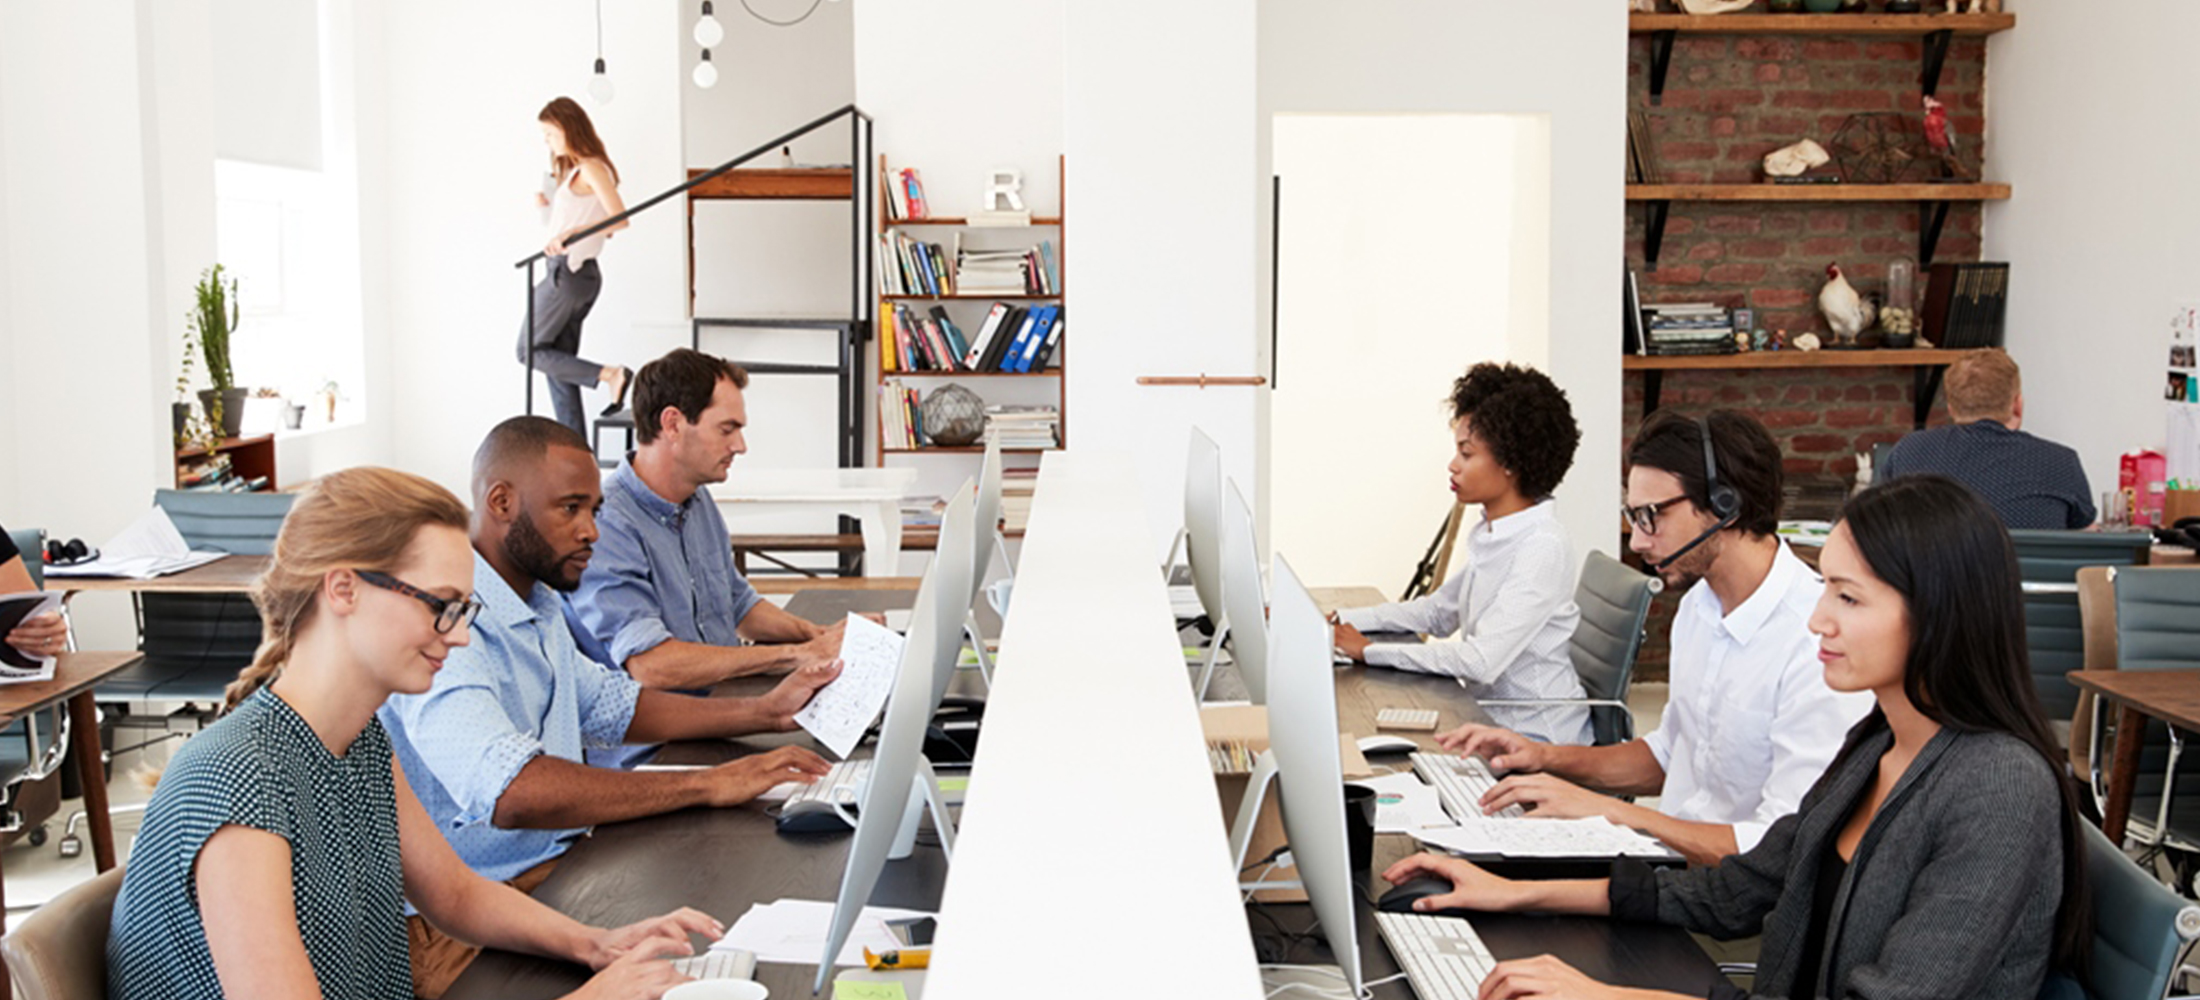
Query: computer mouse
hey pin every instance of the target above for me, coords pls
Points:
(1386, 743)
(811, 816)
(1400, 899)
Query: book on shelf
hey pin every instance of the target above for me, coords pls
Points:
(893, 198)
(913, 267)
(913, 195)
(1018, 487)
(901, 420)
(1023, 426)
(1966, 305)
(1024, 271)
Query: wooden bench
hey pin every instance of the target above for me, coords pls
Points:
(923, 539)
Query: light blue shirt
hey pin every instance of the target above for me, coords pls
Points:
(661, 571)
(521, 688)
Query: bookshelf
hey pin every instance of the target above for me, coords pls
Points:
(249, 458)
(1048, 386)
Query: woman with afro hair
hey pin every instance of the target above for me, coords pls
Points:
(1506, 619)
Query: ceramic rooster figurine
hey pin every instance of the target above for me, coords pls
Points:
(1847, 314)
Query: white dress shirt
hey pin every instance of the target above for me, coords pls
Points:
(1513, 609)
(1751, 723)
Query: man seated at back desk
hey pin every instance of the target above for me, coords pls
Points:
(662, 595)
(495, 747)
(1751, 724)
(2030, 481)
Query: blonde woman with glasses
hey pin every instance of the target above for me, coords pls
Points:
(283, 841)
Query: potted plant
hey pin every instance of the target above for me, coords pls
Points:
(212, 322)
(330, 393)
(188, 428)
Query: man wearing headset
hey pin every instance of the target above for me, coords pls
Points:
(1750, 724)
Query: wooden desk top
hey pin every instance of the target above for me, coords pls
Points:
(74, 673)
(227, 575)
(2173, 555)
(2172, 696)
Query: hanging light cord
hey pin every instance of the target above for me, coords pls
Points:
(777, 24)
(599, 30)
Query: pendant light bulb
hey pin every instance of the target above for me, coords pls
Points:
(708, 32)
(706, 75)
(599, 85)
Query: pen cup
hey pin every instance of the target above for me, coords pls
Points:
(1359, 826)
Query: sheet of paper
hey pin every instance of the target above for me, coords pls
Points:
(1543, 838)
(151, 546)
(870, 654)
(17, 666)
(848, 989)
(1403, 804)
(2181, 457)
(794, 930)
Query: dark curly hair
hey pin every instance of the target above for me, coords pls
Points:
(1523, 418)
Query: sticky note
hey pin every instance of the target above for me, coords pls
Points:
(845, 989)
(961, 784)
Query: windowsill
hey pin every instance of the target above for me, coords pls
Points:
(344, 422)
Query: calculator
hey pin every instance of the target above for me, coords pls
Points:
(1421, 719)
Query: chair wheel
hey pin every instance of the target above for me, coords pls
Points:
(72, 846)
(37, 836)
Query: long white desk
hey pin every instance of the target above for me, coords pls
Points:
(1092, 821)
(872, 496)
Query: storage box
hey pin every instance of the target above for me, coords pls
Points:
(1246, 726)
(2179, 504)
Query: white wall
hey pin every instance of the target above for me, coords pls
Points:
(81, 252)
(1387, 291)
(2094, 123)
(1564, 59)
(1159, 118)
(267, 80)
(455, 88)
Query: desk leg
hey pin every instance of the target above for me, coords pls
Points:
(882, 539)
(7, 980)
(2123, 772)
(84, 740)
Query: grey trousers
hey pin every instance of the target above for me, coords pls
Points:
(562, 300)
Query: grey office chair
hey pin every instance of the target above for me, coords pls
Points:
(32, 748)
(59, 952)
(2048, 562)
(2157, 628)
(1614, 602)
(2141, 930)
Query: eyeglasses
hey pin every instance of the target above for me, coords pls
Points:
(449, 614)
(1645, 517)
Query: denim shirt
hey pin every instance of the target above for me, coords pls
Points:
(520, 689)
(661, 571)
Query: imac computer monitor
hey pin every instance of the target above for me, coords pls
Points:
(1303, 735)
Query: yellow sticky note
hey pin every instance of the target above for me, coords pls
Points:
(845, 989)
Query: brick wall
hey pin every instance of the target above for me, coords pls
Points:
(1728, 101)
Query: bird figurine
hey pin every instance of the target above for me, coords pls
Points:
(1846, 311)
(1941, 141)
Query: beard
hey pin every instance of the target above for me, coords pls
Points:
(1691, 568)
(531, 552)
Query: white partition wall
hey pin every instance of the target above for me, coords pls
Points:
(1404, 258)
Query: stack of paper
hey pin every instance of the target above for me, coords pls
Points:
(1525, 837)
(17, 666)
(794, 931)
(1403, 804)
(148, 548)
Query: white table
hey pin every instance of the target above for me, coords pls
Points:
(872, 496)
(1092, 820)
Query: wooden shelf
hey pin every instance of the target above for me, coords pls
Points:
(956, 220)
(1818, 192)
(1049, 373)
(959, 297)
(824, 184)
(966, 449)
(1884, 358)
(1914, 25)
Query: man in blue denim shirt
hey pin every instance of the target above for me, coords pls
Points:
(662, 594)
(494, 749)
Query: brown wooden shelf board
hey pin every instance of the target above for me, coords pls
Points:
(1910, 358)
(957, 220)
(1049, 373)
(959, 297)
(968, 449)
(1821, 24)
(826, 184)
(1817, 192)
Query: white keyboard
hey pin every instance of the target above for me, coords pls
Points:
(1443, 957)
(1423, 719)
(843, 783)
(718, 963)
(1460, 783)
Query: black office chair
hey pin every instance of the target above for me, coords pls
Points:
(2048, 563)
(2157, 628)
(32, 748)
(1614, 602)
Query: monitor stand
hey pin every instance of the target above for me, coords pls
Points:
(1241, 831)
(925, 795)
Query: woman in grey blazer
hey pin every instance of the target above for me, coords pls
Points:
(1939, 856)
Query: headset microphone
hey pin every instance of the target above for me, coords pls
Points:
(1726, 504)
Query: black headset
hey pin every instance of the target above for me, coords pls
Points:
(1726, 504)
